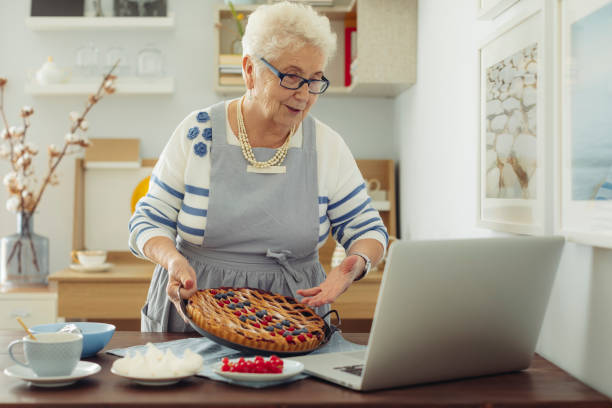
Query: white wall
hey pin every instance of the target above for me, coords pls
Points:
(437, 122)
(365, 123)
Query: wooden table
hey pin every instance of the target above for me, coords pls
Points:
(542, 385)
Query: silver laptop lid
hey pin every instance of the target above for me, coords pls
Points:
(459, 308)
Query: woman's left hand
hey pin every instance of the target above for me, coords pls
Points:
(337, 281)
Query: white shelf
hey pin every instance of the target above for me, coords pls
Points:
(124, 86)
(338, 10)
(112, 165)
(381, 205)
(97, 23)
(235, 90)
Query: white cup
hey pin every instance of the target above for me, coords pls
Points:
(89, 258)
(374, 191)
(51, 354)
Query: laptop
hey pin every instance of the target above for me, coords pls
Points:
(450, 309)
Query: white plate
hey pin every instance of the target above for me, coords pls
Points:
(82, 370)
(290, 368)
(153, 381)
(97, 268)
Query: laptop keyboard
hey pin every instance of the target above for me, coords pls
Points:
(356, 369)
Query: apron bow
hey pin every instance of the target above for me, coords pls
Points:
(282, 258)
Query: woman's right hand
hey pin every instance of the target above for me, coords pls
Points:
(162, 251)
(180, 274)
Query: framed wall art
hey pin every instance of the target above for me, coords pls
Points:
(516, 114)
(586, 121)
(489, 9)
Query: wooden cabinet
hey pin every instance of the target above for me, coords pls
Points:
(115, 296)
(356, 306)
(386, 47)
(34, 305)
(384, 172)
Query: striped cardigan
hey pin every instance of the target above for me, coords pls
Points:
(177, 200)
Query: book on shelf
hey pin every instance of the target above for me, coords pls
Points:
(230, 59)
(230, 79)
(313, 3)
(230, 69)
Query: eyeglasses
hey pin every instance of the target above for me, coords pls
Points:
(292, 81)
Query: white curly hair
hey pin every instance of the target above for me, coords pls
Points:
(273, 28)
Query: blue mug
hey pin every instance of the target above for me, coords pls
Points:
(51, 354)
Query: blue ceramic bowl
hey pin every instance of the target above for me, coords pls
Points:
(95, 335)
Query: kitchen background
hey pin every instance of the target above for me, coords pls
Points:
(431, 130)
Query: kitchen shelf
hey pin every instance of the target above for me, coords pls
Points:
(338, 10)
(99, 23)
(381, 205)
(386, 46)
(236, 90)
(384, 172)
(124, 86)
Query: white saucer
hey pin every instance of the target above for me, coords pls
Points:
(96, 268)
(153, 381)
(290, 369)
(82, 370)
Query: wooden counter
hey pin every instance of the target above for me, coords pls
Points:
(117, 295)
(542, 385)
(113, 295)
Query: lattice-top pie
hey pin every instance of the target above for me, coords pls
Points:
(257, 319)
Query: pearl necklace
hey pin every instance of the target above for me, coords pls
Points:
(247, 150)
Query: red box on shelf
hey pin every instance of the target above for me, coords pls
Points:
(349, 32)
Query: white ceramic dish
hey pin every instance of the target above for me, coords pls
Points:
(82, 370)
(153, 381)
(290, 369)
(97, 268)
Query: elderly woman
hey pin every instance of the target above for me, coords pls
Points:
(246, 191)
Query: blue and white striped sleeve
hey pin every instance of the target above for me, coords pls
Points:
(156, 213)
(350, 212)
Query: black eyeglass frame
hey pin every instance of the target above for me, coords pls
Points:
(303, 81)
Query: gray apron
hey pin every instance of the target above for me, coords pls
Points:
(262, 229)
